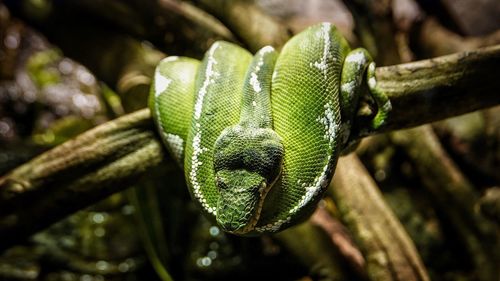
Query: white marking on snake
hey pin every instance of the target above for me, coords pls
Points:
(387, 106)
(330, 134)
(372, 82)
(210, 75)
(348, 87)
(329, 124)
(176, 144)
(254, 81)
(254, 78)
(171, 58)
(323, 63)
(266, 49)
(357, 57)
(273, 227)
(193, 174)
(371, 67)
(161, 83)
(313, 190)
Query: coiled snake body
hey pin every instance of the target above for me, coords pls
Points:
(259, 136)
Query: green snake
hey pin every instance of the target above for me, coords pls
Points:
(259, 136)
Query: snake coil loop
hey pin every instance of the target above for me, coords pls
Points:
(259, 136)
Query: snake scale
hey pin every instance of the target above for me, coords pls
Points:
(259, 136)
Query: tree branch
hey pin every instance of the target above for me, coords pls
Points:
(390, 253)
(76, 174)
(430, 90)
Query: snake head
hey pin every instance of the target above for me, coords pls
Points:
(247, 162)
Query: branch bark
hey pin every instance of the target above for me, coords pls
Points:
(430, 90)
(76, 174)
(389, 251)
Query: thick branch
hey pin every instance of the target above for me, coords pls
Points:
(389, 251)
(429, 90)
(105, 159)
(76, 174)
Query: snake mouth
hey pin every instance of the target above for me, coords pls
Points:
(241, 197)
